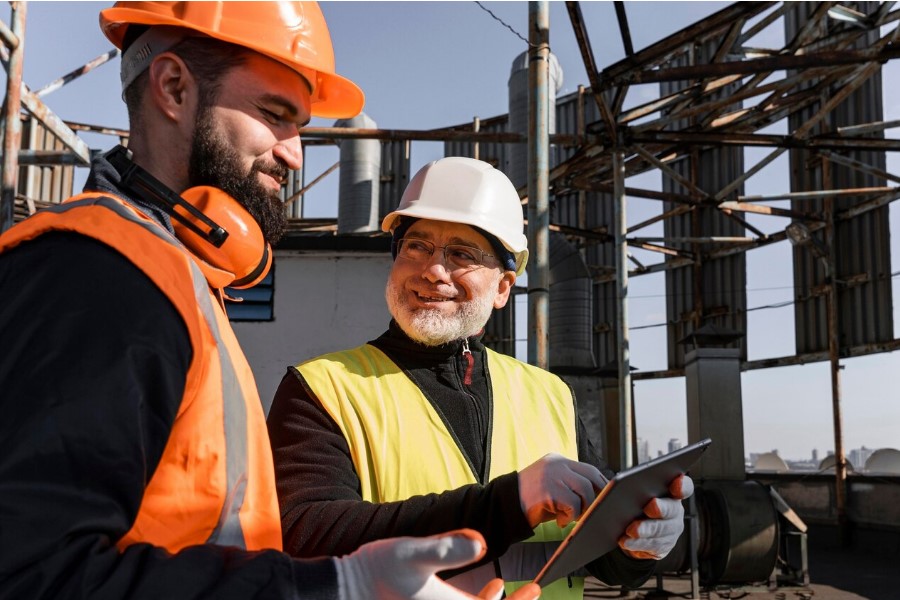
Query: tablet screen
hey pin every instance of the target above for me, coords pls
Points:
(616, 506)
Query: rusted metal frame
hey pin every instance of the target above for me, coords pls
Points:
(656, 105)
(46, 158)
(811, 357)
(677, 211)
(74, 126)
(590, 65)
(874, 127)
(703, 239)
(624, 29)
(57, 127)
(759, 209)
(790, 61)
(672, 263)
(743, 223)
(443, 135)
(776, 87)
(649, 194)
(868, 206)
(772, 238)
(776, 107)
(782, 361)
(763, 23)
(858, 165)
(860, 76)
(599, 234)
(723, 18)
(309, 186)
(660, 249)
(671, 172)
(9, 39)
(765, 140)
(76, 73)
(748, 173)
(728, 40)
(12, 123)
(822, 194)
(808, 32)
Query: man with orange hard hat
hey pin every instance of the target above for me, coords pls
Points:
(134, 457)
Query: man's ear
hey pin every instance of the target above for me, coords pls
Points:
(504, 287)
(172, 87)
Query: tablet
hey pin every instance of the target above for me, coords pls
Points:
(616, 506)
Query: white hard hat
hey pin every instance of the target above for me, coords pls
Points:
(464, 190)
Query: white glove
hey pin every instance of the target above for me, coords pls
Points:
(655, 537)
(405, 569)
(555, 487)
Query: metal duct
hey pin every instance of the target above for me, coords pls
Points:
(517, 159)
(570, 307)
(358, 196)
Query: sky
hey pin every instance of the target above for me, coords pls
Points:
(431, 64)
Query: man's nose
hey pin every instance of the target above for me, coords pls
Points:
(290, 151)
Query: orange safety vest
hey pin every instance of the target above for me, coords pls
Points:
(215, 481)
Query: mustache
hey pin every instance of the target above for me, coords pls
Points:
(276, 169)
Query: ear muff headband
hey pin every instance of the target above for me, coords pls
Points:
(210, 223)
(151, 189)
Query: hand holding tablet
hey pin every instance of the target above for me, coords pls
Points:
(621, 502)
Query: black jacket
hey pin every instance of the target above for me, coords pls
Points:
(320, 494)
(94, 364)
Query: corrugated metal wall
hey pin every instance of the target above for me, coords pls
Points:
(862, 244)
(588, 210)
(710, 291)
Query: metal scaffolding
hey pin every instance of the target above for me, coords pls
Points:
(717, 91)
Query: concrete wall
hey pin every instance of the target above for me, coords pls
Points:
(873, 502)
(324, 301)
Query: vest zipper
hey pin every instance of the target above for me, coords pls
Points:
(470, 362)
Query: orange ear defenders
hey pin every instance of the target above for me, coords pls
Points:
(212, 225)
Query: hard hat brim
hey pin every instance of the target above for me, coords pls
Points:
(335, 97)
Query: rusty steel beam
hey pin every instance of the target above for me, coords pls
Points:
(766, 210)
(757, 65)
(76, 73)
(590, 65)
(12, 124)
(763, 140)
(436, 135)
(858, 165)
(689, 35)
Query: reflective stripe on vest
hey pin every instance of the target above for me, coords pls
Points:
(201, 490)
(401, 446)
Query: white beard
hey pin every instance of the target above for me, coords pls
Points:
(432, 327)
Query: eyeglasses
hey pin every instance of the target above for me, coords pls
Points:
(463, 257)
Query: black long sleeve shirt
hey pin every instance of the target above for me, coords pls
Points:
(94, 364)
(320, 493)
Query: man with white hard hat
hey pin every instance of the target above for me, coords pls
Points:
(425, 428)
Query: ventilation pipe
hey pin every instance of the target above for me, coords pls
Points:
(516, 167)
(570, 307)
(360, 179)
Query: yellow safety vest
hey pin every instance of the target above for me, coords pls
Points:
(215, 481)
(401, 447)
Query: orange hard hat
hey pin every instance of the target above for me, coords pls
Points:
(293, 33)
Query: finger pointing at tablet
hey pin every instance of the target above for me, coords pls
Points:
(557, 488)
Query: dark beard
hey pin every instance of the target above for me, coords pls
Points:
(214, 163)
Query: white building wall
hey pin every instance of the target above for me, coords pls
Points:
(324, 301)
